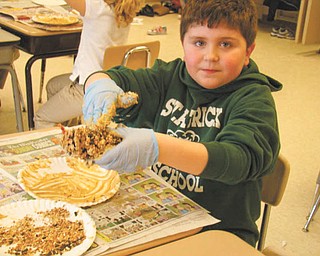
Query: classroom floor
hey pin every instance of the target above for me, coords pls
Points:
(296, 66)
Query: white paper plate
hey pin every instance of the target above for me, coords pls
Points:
(69, 179)
(16, 211)
(55, 19)
(49, 2)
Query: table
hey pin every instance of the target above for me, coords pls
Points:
(42, 45)
(134, 208)
(214, 242)
(158, 242)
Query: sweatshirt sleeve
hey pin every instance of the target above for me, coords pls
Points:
(248, 145)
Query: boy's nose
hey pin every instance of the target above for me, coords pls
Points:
(212, 54)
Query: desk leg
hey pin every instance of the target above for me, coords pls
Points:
(43, 69)
(29, 91)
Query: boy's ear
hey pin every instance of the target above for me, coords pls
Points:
(249, 51)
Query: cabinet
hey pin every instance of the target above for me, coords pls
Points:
(308, 20)
(308, 24)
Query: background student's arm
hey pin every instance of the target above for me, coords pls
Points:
(187, 156)
(79, 5)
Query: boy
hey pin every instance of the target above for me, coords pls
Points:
(209, 121)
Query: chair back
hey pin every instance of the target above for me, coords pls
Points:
(134, 56)
(273, 187)
(274, 184)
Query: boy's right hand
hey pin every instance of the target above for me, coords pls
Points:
(138, 150)
(98, 98)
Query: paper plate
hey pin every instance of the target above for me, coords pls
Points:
(55, 19)
(47, 219)
(70, 180)
(49, 2)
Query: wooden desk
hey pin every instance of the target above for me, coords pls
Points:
(213, 242)
(158, 242)
(42, 45)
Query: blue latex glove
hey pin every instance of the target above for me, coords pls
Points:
(99, 97)
(138, 149)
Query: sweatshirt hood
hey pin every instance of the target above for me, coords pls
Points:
(251, 74)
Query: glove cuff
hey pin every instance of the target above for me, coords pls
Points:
(155, 147)
(104, 84)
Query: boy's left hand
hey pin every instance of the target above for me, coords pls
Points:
(98, 99)
(139, 149)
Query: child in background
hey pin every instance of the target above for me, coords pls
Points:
(206, 124)
(105, 23)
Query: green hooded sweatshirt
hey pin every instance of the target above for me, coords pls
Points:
(236, 122)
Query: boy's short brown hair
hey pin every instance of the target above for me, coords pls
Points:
(238, 14)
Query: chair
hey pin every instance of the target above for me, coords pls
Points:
(8, 54)
(134, 56)
(315, 205)
(273, 187)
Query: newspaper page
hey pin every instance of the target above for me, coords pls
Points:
(145, 207)
(17, 4)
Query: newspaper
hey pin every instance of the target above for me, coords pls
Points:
(145, 207)
(17, 3)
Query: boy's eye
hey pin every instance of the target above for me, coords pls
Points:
(225, 44)
(199, 43)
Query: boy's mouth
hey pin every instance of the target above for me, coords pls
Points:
(209, 71)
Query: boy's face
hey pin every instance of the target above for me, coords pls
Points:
(215, 56)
